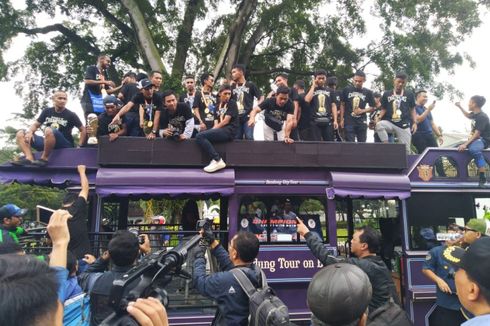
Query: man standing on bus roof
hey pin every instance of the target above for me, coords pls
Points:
(397, 115)
(438, 270)
(96, 83)
(59, 123)
(473, 279)
(480, 134)
(364, 245)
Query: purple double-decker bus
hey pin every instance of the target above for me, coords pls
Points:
(333, 187)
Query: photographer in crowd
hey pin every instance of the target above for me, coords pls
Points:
(222, 286)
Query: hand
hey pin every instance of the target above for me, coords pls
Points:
(208, 235)
(113, 137)
(301, 227)
(335, 125)
(145, 248)
(458, 104)
(110, 83)
(288, 140)
(440, 140)
(202, 126)
(414, 128)
(89, 259)
(432, 106)
(251, 122)
(105, 255)
(142, 124)
(167, 132)
(148, 312)
(182, 137)
(150, 136)
(116, 120)
(462, 147)
(58, 227)
(442, 285)
(342, 124)
(81, 169)
(28, 137)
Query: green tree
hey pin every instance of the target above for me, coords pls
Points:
(418, 36)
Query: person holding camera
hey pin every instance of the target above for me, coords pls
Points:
(226, 122)
(233, 302)
(323, 108)
(278, 114)
(176, 120)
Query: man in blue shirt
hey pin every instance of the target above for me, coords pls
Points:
(473, 279)
(424, 137)
(437, 269)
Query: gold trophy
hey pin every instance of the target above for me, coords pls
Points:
(355, 106)
(321, 104)
(396, 116)
(93, 123)
(147, 127)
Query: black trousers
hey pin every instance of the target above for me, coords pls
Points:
(422, 141)
(446, 317)
(325, 133)
(356, 130)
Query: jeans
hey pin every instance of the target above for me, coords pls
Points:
(206, 138)
(61, 141)
(475, 149)
(355, 131)
(244, 130)
(133, 124)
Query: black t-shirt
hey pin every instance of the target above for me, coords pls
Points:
(321, 103)
(129, 91)
(77, 226)
(244, 95)
(207, 108)
(64, 121)
(270, 107)
(105, 127)
(176, 120)
(361, 98)
(230, 109)
(398, 108)
(481, 123)
(305, 118)
(151, 105)
(93, 73)
(187, 99)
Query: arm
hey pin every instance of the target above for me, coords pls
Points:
(83, 182)
(98, 82)
(223, 123)
(253, 113)
(30, 132)
(441, 284)
(334, 114)
(156, 121)
(437, 132)
(309, 95)
(473, 137)
(198, 116)
(141, 112)
(260, 100)
(288, 128)
(296, 113)
(83, 135)
(315, 244)
(342, 112)
(125, 109)
(222, 257)
(60, 236)
(189, 128)
(465, 113)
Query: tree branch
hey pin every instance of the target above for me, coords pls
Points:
(71, 35)
(99, 5)
(287, 70)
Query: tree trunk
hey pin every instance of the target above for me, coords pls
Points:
(250, 46)
(184, 38)
(145, 39)
(231, 48)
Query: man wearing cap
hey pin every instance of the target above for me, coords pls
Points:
(150, 101)
(339, 294)
(473, 279)
(364, 245)
(438, 270)
(105, 126)
(58, 124)
(474, 230)
(11, 216)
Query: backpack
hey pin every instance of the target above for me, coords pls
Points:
(265, 308)
(389, 314)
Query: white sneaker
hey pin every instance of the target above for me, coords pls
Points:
(215, 166)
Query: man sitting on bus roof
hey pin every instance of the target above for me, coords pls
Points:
(364, 245)
(222, 286)
(59, 122)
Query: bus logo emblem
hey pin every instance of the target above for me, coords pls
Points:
(425, 172)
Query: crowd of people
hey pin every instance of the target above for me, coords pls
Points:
(316, 112)
(349, 291)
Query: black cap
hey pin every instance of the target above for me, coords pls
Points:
(475, 261)
(145, 84)
(110, 100)
(339, 294)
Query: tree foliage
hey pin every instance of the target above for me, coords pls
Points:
(270, 36)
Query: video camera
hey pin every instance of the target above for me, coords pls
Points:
(149, 279)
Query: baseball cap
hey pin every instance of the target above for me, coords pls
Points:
(110, 100)
(145, 84)
(339, 294)
(475, 261)
(9, 210)
(476, 224)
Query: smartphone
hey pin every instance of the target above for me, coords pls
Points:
(43, 214)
